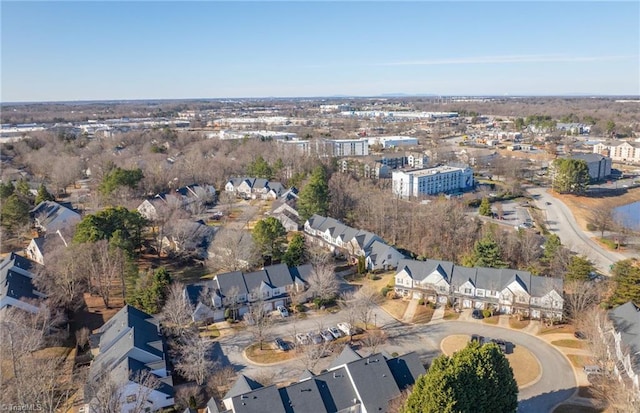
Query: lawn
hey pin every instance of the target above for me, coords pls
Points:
(491, 320)
(579, 361)
(210, 331)
(568, 343)
(526, 367)
(518, 324)
(449, 314)
(423, 314)
(268, 354)
(562, 328)
(395, 307)
(574, 408)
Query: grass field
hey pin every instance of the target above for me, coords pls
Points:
(568, 343)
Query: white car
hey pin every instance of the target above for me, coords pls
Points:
(336, 333)
(346, 328)
(302, 338)
(283, 311)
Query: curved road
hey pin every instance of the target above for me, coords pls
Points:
(556, 384)
(560, 221)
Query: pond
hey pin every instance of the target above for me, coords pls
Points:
(629, 215)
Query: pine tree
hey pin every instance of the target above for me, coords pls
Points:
(626, 275)
(475, 379)
(269, 235)
(295, 252)
(486, 253)
(314, 197)
(485, 207)
(43, 195)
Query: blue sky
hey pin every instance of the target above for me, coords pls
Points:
(53, 51)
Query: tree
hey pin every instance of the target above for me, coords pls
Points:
(177, 310)
(611, 127)
(570, 176)
(43, 195)
(261, 319)
(323, 283)
(295, 253)
(112, 394)
(232, 250)
(626, 276)
(119, 177)
(14, 212)
(579, 297)
(485, 207)
(519, 124)
(6, 190)
(315, 196)
(486, 253)
(118, 225)
(474, 379)
(580, 268)
(105, 267)
(194, 361)
(364, 302)
(269, 235)
(602, 220)
(151, 291)
(260, 168)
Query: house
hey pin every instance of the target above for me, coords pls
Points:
(599, 165)
(503, 290)
(188, 237)
(284, 209)
(341, 239)
(254, 188)
(272, 285)
(51, 216)
(129, 349)
(622, 333)
(16, 284)
(190, 197)
(40, 246)
(351, 384)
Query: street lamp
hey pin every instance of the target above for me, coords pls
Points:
(375, 323)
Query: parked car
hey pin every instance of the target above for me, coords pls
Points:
(501, 344)
(592, 369)
(478, 338)
(335, 332)
(281, 344)
(283, 311)
(580, 335)
(302, 338)
(315, 337)
(345, 328)
(477, 314)
(326, 335)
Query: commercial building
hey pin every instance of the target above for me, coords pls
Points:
(619, 151)
(599, 165)
(431, 181)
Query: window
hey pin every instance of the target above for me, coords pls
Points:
(467, 290)
(131, 398)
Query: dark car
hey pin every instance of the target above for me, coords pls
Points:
(477, 314)
(281, 344)
(579, 335)
(501, 344)
(478, 338)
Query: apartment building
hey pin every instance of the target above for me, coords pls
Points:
(619, 151)
(431, 181)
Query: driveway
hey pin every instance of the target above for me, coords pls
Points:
(557, 382)
(561, 222)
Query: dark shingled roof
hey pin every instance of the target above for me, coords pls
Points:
(243, 385)
(16, 277)
(374, 381)
(336, 390)
(302, 397)
(266, 399)
(406, 369)
(347, 355)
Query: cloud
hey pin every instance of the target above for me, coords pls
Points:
(505, 59)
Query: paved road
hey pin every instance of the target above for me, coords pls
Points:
(560, 221)
(556, 384)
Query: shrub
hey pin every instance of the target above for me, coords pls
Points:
(391, 295)
(421, 301)
(394, 354)
(384, 291)
(486, 313)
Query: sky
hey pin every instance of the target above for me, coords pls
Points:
(64, 51)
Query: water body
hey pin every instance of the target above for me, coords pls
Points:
(629, 215)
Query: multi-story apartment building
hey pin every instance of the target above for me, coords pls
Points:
(431, 181)
(619, 151)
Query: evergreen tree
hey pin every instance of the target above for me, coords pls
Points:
(14, 212)
(120, 177)
(485, 207)
(294, 255)
(118, 225)
(579, 269)
(486, 253)
(475, 379)
(151, 290)
(260, 168)
(6, 190)
(314, 197)
(551, 247)
(43, 195)
(570, 176)
(269, 235)
(626, 275)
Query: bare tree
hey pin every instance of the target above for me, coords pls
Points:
(323, 282)
(310, 355)
(105, 267)
(602, 219)
(374, 339)
(220, 381)
(177, 310)
(111, 393)
(261, 321)
(194, 361)
(232, 250)
(188, 396)
(397, 404)
(580, 296)
(348, 311)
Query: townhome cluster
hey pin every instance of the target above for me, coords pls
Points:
(621, 334)
(352, 383)
(130, 349)
(352, 243)
(254, 188)
(503, 290)
(271, 286)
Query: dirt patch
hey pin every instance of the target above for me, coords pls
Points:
(450, 314)
(579, 360)
(581, 206)
(423, 314)
(518, 324)
(491, 320)
(268, 354)
(526, 368)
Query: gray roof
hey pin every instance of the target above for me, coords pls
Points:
(540, 286)
(50, 211)
(242, 386)
(626, 321)
(302, 397)
(135, 371)
(16, 277)
(374, 381)
(306, 374)
(347, 355)
(266, 399)
(419, 270)
(253, 280)
(229, 280)
(336, 389)
(461, 275)
(589, 157)
(406, 369)
(279, 275)
(212, 406)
